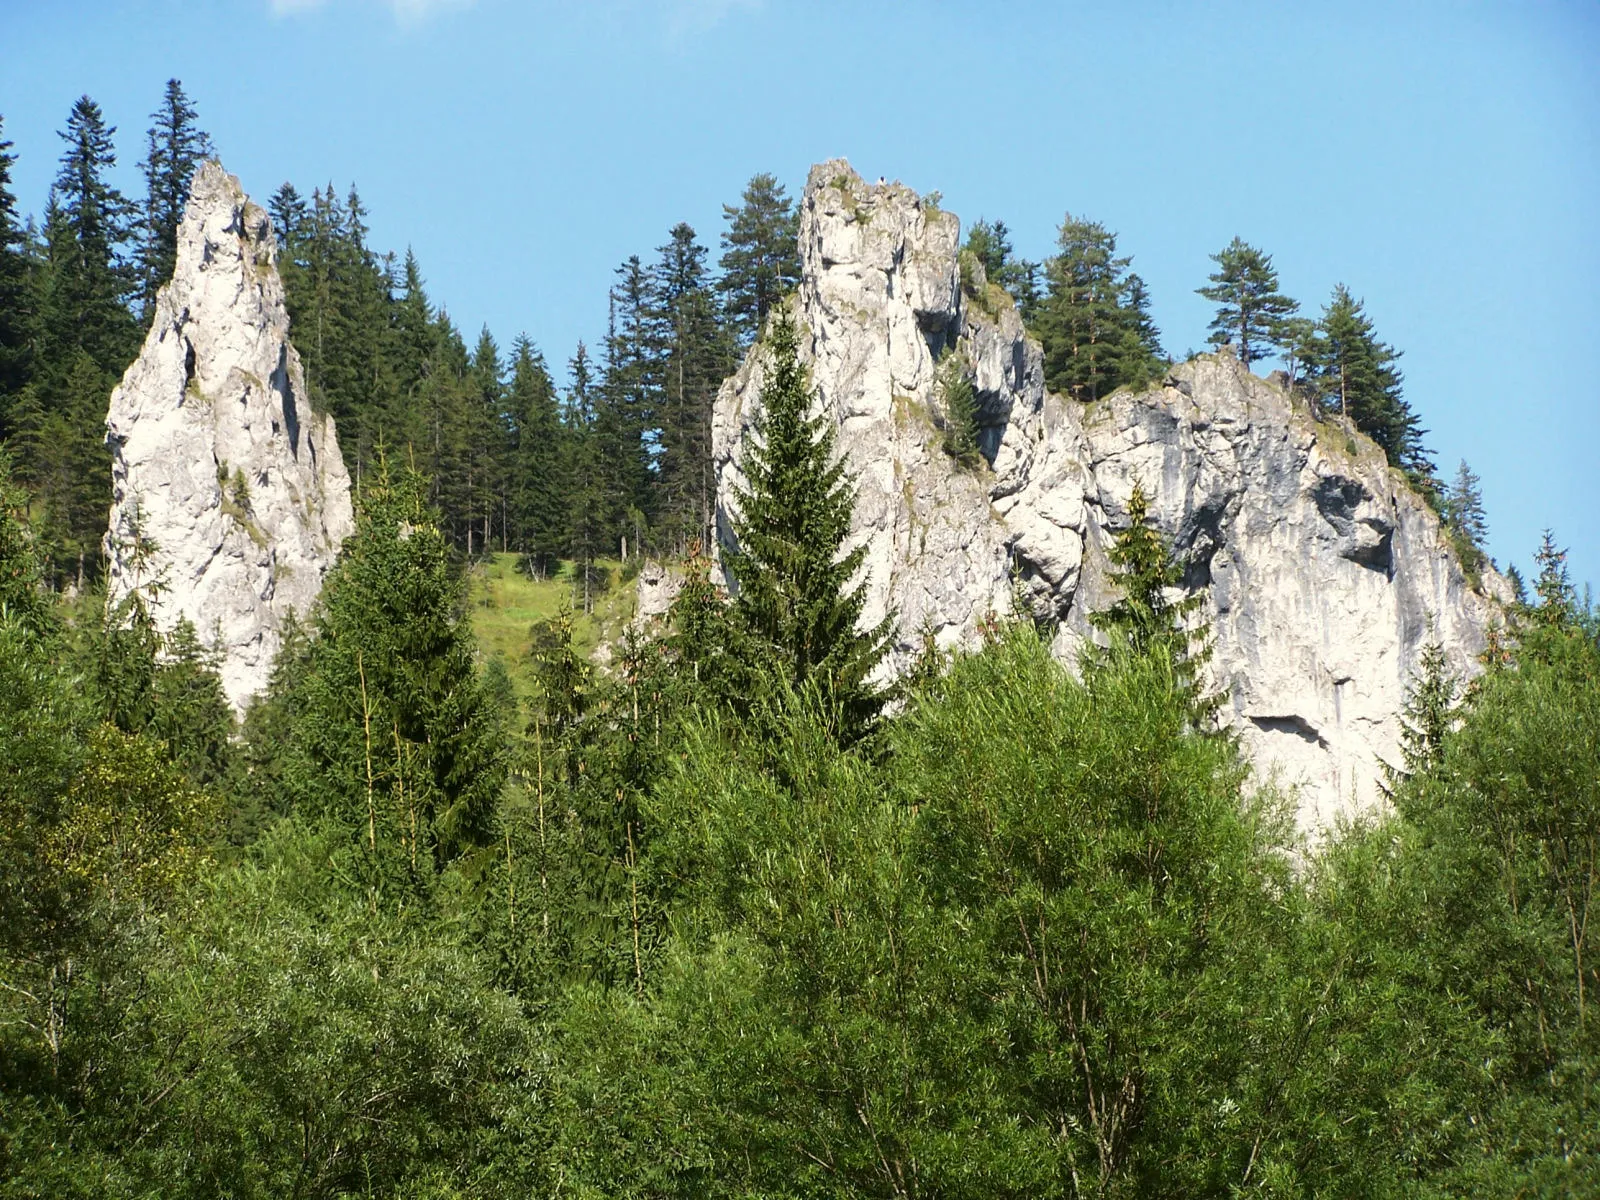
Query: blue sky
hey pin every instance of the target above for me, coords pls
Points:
(1442, 160)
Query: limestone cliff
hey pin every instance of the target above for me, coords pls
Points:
(1324, 572)
(229, 496)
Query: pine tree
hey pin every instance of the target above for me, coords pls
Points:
(1251, 309)
(760, 255)
(1352, 369)
(176, 147)
(795, 602)
(1094, 322)
(1145, 618)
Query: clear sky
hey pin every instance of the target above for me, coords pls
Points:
(1442, 160)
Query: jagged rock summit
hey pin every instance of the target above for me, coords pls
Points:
(229, 496)
(1325, 575)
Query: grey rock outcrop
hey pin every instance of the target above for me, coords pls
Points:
(1325, 575)
(230, 498)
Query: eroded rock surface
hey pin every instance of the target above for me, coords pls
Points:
(1325, 575)
(230, 499)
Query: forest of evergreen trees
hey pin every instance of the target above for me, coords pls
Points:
(731, 918)
(614, 458)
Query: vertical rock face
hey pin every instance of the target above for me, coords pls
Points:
(1325, 574)
(229, 497)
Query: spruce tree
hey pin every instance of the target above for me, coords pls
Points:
(1464, 506)
(176, 147)
(16, 333)
(626, 406)
(393, 737)
(540, 487)
(586, 497)
(693, 356)
(795, 603)
(1428, 715)
(1145, 618)
(89, 275)
(760, 255)
(1251, 310)
(990, 243)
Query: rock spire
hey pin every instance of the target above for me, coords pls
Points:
(229, 497)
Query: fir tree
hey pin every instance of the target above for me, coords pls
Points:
(1145, 618)
(795, 602)
(88, 230)
(586, 499)
(990, 243)
(288, 212)
(176, 147)
(1463, 507)
(625, 411)
(1251, 310)
(760, 255)
(960, 415)
(1556, 599)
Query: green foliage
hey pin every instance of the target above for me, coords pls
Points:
(176, 147)
(1348, 366)
(1461, 507)
(1251, 311)
(1146, 620)
(1094, 322)
(796, 606)
(989, 242)
(960, 412)
(392, 736)
(760, 255)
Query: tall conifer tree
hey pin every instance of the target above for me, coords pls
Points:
(176, 147)
(796, 603)
(1251, 310)
(1094, 323)
(760, 254)
(16, 332)
(693, 357)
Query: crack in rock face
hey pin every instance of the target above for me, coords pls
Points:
(1324, 574)
(222, 513)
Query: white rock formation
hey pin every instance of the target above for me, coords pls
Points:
(230, 499)
(1324, 572)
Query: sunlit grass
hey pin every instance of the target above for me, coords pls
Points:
(505, 604)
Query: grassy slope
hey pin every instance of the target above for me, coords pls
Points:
(505, 604)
